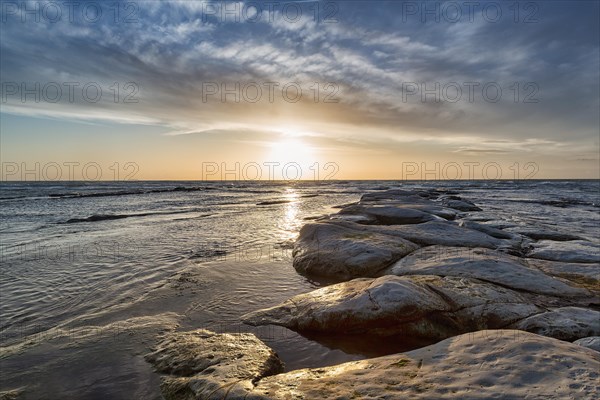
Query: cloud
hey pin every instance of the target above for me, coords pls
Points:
(369, 54)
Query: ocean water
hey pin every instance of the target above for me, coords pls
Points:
(145, 255)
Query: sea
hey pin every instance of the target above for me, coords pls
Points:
(92, 273)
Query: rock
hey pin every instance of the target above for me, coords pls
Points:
(487, 265)
(567, 323)
(444, 233)
(504, 364)
(202, 364)
(332, 250)
(273, 202)
(446, 191)
(460, 205)
(10, 394)
(494, 223)
(544, 234)
(344, 205)
(423, 205)
(423, 306)
(493, 232)
(454, 197)
(394, 194)
(481, 217)
(399, 198)
(592, 342)
(315, 217)
(442, 212)
(578, 274)
(577, 251)
(389, 215)
(357, 218)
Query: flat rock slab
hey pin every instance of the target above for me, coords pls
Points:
(544, 234)
(202, 364)
(332, 250)
(578, 274)
(445, 233)
(460, 205)
(431, 208)
(592, 342)
(418, 200)
(577, 251)
(390, 215)
(490, 266)
(421, 306)
(494, 232)
(395, 194)
(483, 365)
(567, 323)
(358, 218)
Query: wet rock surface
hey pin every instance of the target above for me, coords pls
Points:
(566, 323)
(337, 251)
(481, 365)
(206, 365)
(592, 342)
(421, 264)
(460, 205)
(423, 305)
(484, 264)
(460, 276)
(390, 215)
(577, 251)
(446, 233)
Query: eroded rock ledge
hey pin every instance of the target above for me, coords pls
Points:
(206, 365)
(425, 269)
(427, 306)
(421, 264)
(479, 365)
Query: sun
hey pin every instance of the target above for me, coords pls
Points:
(291, 150)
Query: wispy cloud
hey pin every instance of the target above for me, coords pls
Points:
(368, 54)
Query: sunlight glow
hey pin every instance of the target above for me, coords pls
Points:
(291, 150)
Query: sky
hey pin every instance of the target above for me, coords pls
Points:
(197, 90)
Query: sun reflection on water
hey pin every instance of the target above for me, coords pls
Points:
(290, 223)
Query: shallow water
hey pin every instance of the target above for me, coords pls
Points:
(92, 254)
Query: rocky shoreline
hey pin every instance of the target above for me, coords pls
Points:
(512, 310)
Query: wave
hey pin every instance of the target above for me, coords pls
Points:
(152, 191)
(562, 203)
(13, 198)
